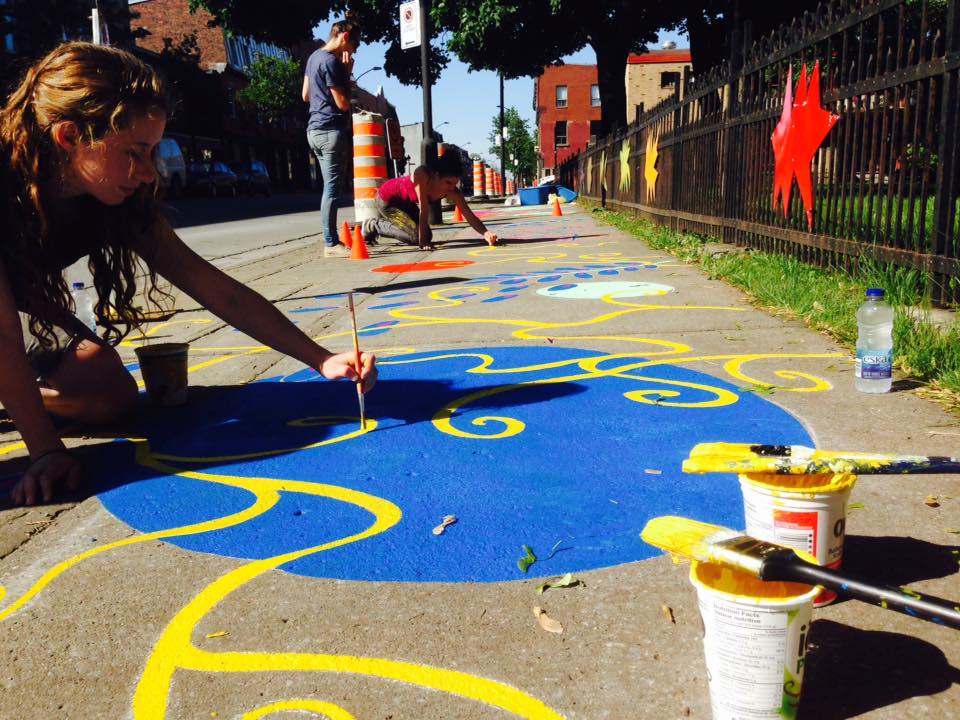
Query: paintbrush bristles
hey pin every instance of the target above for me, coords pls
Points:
(683, 537)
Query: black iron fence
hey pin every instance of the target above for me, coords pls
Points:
(884, 181)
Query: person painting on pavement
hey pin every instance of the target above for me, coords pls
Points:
(326, 87)
(403, 204)
(77, 178)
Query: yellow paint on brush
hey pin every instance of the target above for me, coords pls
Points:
(681, 537)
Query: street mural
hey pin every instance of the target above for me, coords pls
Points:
(528, 440)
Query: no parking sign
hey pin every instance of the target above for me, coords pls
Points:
(409, 24)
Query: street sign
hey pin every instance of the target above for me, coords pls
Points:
(409, 24)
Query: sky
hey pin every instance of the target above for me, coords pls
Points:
(464, 103)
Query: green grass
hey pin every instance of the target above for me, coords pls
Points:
(827, 299)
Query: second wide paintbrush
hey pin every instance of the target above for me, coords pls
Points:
(703, 542)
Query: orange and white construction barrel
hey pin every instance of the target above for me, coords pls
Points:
(369, 163)
(478, 185)
(491, 188)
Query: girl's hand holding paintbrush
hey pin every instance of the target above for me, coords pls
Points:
(345, 365)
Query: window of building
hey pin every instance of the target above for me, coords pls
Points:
(669, 78)
(231, 102)
(561, 96)
(560, 133)
(594, 130)
(595, 95)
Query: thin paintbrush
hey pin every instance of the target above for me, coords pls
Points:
(356, 349)
(800, 460)
(764, 560)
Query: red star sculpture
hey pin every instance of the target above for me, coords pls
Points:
(803, 126)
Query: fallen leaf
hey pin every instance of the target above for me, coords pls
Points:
(931, 501)
(447, 520)
(562, 582)
(217, 634)
(547, 622)
(952, 531)
(651, 471)
(550, 340)
(668, 613)
(855, 506)
(527, 560)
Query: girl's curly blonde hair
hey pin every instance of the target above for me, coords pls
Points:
(102, 90)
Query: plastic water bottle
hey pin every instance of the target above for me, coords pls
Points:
(874, 366)
(83, 302)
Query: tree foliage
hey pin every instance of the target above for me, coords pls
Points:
(378, 21)
(274, 85)
(519, 144)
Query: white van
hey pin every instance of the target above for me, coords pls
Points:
(171, 167)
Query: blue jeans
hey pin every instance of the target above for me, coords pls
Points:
(330, 148)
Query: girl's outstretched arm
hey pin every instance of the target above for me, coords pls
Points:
(456, 197)
(245, 309)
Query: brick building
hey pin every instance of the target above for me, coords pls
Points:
(653, 77)
(210, 122)
(566, 99)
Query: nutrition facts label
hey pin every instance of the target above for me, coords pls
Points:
(745, 650)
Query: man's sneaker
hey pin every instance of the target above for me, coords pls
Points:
(369, 229)
(337, 250)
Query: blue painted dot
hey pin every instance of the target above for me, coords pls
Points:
(390, 306)
(498, 298)
(313, 309)
(549, 278)
(558, 288)
(390, 296)
(513, 281)
(608, 272)
(583, 275)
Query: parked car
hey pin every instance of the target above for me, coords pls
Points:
(252, 177)
(211, 178)
(171, 167)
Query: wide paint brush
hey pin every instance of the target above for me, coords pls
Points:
(707, 543)
(800, 460)
(356, 349)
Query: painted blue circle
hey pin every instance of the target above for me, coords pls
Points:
(576, 474)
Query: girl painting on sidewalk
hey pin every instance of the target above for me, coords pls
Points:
(77, 179)
(403, 204)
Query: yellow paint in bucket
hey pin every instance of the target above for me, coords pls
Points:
(755, 639)
(804, 512)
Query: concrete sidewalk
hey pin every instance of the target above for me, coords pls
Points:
(256, 552)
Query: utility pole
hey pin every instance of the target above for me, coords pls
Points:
(95, 23)
(503, 139)
(428, 146)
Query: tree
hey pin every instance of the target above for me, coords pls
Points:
(519, 144)
(378, 21)
(274, 85)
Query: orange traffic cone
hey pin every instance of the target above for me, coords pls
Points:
(345, 234)
(358, 251)
(457, 215)
(556, 206)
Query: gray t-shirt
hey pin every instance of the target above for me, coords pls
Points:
(325, 70)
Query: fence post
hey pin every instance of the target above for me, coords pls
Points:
(730, 177)
(944, 211)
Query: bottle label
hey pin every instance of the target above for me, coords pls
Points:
(874, 364)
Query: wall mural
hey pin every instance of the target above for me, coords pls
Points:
(441, 424)
(650, 165)
(625, 166)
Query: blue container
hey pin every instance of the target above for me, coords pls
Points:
(536, 195)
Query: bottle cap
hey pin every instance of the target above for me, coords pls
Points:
(78, 286)
(875, 292)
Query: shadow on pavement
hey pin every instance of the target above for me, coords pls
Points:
(898, 560)
(850, 671)
(271, 417)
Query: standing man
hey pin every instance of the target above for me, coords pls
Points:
(326, 86)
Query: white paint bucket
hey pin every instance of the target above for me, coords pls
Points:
(754, 642)
(804, 512)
